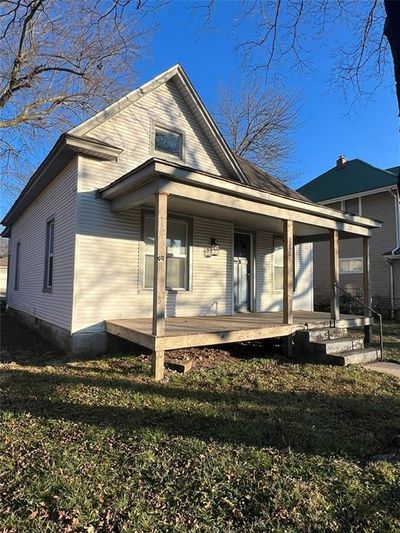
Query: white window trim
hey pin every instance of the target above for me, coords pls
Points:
(275, 238)
(166, 155)
(189, 232)
(17, 266)
(346, 272)
(49, 255)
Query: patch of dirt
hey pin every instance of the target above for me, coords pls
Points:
(206, 357)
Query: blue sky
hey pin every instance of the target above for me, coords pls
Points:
(370, 132)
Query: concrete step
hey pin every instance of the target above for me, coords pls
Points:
(365, 355)
(336, 346)
(321, 334)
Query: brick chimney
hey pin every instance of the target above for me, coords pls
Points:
(340, 162)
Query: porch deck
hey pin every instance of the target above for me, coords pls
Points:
(208, 330)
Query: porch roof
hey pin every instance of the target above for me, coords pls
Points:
(195, 187)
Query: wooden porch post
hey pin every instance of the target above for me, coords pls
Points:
(288, 282)
(366, 288)
(160, 264)
(288, 272)
(334, 267)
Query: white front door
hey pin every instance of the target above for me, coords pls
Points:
(242, 271)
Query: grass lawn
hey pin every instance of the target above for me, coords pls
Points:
(391, 332)
(253, 445)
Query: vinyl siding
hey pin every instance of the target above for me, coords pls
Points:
(110, 258)
(133, 128)
(267, 299)
(378, 206)
(108, 278)
(58, 201)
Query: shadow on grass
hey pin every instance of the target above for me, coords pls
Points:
(308, 422)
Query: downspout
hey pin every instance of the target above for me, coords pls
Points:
(396, 216)
(390, 263)
(396, 198)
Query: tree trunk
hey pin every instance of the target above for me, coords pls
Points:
(392, 33)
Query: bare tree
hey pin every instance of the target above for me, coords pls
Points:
(59, 62)
(258, 125)
(286, 31)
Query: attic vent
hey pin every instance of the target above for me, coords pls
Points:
(340, 162)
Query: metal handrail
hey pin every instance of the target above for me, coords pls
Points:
(371, 310)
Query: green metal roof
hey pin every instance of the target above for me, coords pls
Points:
(356, 176)
(393, 170)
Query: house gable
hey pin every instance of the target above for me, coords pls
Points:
(168, 101)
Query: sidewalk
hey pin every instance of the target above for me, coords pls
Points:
(393, 369)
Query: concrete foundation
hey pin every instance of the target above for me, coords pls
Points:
(75, 345)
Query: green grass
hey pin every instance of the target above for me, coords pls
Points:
(391, 333)
(244, 446)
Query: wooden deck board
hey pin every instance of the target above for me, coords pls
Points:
(182, 332)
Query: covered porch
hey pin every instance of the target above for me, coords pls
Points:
(166, 188)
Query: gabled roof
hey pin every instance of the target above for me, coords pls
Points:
(190, 95)
(356, 176)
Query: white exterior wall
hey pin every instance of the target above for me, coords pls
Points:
(132, 130)
(58, 201)
(268, 299)
(109, 255)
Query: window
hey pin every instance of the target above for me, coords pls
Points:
(49, 259)
(335, 205)
(168, 142)
(177, 253)
(278, 264)
(17, 265)
(352, 206)
(351, 265)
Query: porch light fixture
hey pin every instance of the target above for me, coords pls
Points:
(214, 247)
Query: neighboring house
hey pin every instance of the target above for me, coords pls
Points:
(3, 277)
(362, 189)
(152, 177)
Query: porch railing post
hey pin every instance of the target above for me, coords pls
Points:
(366, 289)
(334, 272)
(160, 265)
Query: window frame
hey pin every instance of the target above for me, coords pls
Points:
(49, 256)
(280, 237)
(162, 154)
(351, 272)
(17, 269)
(189, 239)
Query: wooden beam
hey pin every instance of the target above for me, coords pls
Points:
(135, 198)
(160, 267)
(288, 272)
(251, 206)
(334, 273)
(366, 289)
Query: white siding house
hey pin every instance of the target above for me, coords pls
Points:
(100, 182)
